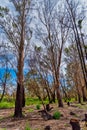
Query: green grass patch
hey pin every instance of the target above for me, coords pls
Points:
(4, 105)
(34, 101)
(1, 118)
(27, 127)
(2, 128)
(71, 100)
(38, 106)
(31, 110)
(56, 115)
(82, 106)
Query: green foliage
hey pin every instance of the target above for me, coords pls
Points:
(4, 129)
(4, 105)
(69, 100)
(3, 11)
(38, 106)
(31, 110)
(56, 115)
(80, 23)
(27, 127)
(66, 50)
(31, 101)
(85, 46)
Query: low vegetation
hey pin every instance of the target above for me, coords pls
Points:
(56, 115)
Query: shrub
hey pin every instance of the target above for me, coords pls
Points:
(38, 107)
(57, 115)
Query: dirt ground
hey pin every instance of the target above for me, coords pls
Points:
(36, 122)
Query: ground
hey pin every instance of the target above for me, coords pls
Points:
(34, 120)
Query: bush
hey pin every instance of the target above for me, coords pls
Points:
(57, 115)
(38, 107)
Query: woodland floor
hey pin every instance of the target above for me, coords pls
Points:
(36, 122)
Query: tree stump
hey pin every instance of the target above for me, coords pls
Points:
(47, 128)
(75, 124)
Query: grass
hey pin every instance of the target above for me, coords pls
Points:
(1, 118)
(71, 100)
(27, 127)
(4, 105)
(82, 106)
(31, 110)
(34, 101)
(38, 106)
(56, 115)
(10, 103)
(2, 128)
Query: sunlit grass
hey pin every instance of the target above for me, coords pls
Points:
(34, 101)
(4, 105)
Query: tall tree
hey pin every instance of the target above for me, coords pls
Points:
(74, 72)
(76, 17)
(17, 31)
(52, 34)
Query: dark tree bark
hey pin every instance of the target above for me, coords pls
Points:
(18, 102)
(52, 97)
(59, 98)
(83, 95)
(79, 98)
(23, 99)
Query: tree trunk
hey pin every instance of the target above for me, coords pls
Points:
(48, 94)
(59, 98)
(20, 96)
(79, 98)
(53, 97)
(18, 102)
(83, 95)
(23, 99)
(4, 85)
